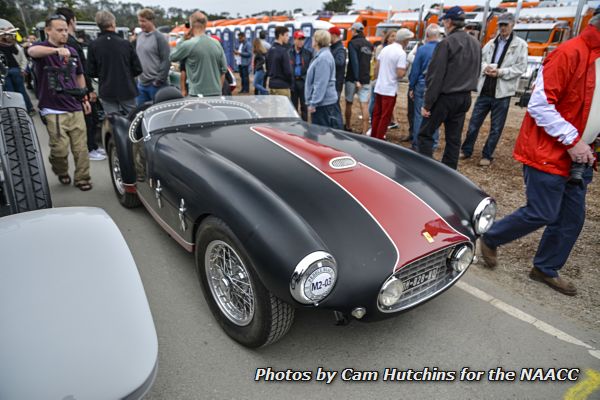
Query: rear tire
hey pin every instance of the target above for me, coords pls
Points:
(262, 318)
(127, 200)
(23, 182)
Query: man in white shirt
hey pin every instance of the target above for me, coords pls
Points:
(390, 69)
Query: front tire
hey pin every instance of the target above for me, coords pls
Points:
(23, 182)
(127, 200)
(245, 309)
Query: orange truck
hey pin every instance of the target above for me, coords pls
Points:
(544, 28)
(369, 19)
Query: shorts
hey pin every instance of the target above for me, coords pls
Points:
(363, 92)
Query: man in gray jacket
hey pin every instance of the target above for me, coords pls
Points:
(153, 50)
(451, 77)
(504, 60)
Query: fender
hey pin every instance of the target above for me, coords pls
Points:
(273, 234)
(124, 147)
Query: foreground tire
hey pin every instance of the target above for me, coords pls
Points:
(245, 309)
(127, 200)
(23, 182)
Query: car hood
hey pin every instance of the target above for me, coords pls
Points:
(75, 318)
(355, 198)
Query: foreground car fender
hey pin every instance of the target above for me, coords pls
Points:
(75, 319)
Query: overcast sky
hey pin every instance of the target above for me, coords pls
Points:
(254, 6)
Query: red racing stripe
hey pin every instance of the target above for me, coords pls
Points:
(412, 226)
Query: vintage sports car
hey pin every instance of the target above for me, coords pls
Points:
(75, 319)
(281, 214)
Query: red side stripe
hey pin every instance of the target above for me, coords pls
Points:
(406, 219)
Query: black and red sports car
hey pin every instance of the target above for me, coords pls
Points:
(281, 214)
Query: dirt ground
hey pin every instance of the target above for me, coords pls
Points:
(503, 180)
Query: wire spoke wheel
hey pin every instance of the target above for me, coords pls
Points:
(115, 169)
(229, 282)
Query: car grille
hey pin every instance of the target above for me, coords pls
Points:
(436, 264)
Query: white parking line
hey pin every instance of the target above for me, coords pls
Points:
(523, 316)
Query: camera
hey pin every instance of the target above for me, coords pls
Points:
(576, 173)
(57, 85)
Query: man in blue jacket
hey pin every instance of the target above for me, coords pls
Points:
(244, 52)
(416, 88)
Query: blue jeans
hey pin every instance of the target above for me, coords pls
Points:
(419, 94)
(551, 202)
(330, 116)
(146, 93)
(259, 82)
(245, 77)
(14, 83)
(499, 110)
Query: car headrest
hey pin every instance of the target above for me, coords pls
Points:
(137, 109)
(167, 93)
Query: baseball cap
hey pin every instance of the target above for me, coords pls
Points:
(6, 28)
(357, 26)
(404, 34)
(299, 35)
(506, 18)
(334, 30)
(454, 13)
(218, 39)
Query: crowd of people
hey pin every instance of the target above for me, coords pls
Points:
(556, 136)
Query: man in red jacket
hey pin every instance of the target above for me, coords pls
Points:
(562, 121)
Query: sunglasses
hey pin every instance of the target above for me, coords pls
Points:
(55, 17)
(503, 24)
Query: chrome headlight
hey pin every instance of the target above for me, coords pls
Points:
(460, 259)
(314, 278)
(390, 292)
(484, 215)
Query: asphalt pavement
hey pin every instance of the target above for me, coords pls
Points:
(479, 326)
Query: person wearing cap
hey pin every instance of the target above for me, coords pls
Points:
(339, 56)
(391, 67)
(244, 56)
(300, 58)
(416, 80)
(451, 77)
(10, 51)
(555, 141)
(358, 77)
(503, 61)
(114, 62)
(204, 57)
(321, 97)
(279, 67)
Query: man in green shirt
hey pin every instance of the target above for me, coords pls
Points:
(205, 62)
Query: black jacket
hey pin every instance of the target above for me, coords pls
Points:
(360, 52)
(454, 67)
(259, 61)
(339, 55)
(74, 43)
(305, 59)
(115, 63)
(279, 70)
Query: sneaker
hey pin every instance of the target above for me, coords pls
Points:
(101, 151)
(489, 255)
(393, 125)
(463, 156)
(485, 162)
(558, 284)
(95, 156)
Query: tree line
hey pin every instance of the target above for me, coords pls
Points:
(25, 14)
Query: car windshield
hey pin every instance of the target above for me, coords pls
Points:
(535, 36)
(208, 110)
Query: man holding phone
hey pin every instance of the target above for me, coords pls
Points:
(503, 61)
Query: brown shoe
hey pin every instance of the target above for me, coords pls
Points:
(489, 255)
(557, 283)
(484, 162)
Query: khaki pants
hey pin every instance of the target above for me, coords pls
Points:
(281, 92)
(64, 130)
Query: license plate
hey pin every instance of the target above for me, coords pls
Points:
(420, 279)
